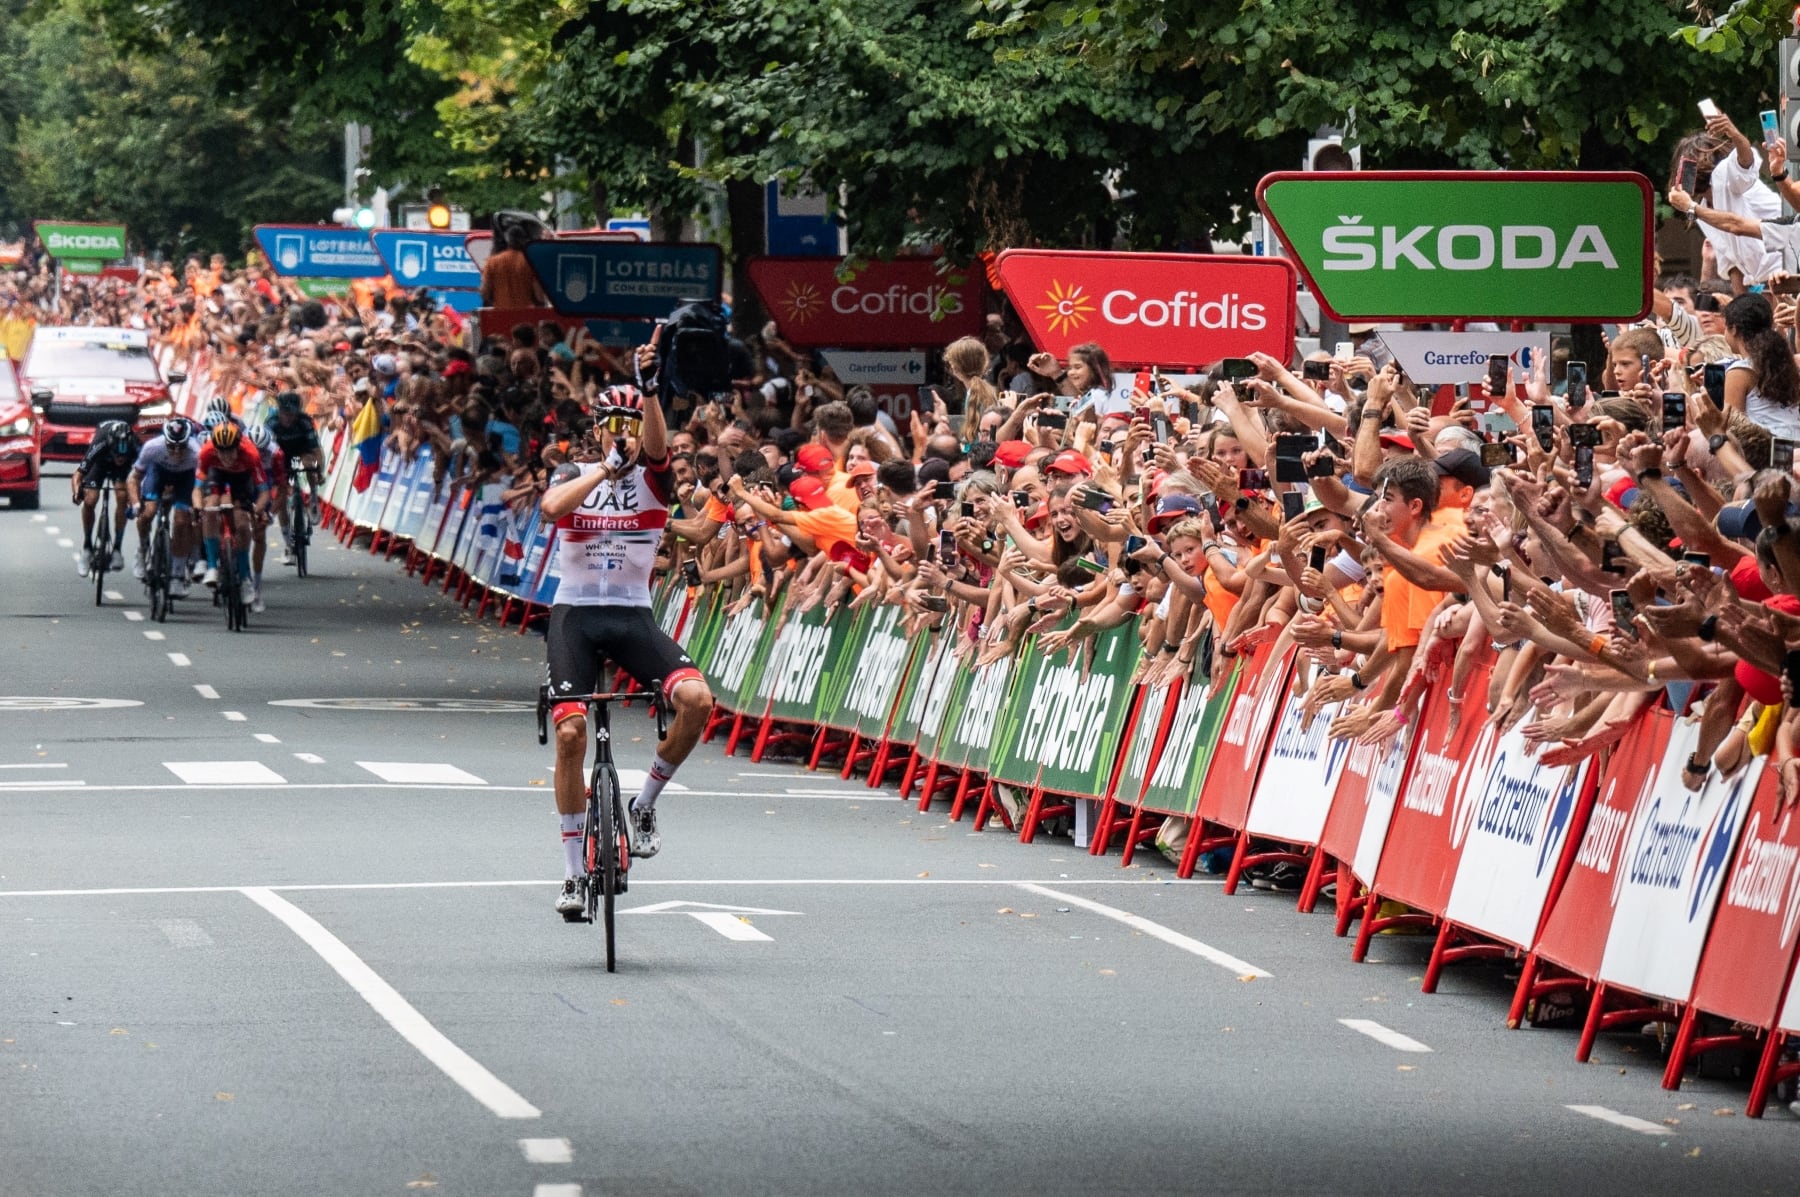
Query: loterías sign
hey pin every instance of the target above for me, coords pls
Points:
(1153, 309)
(855, 304)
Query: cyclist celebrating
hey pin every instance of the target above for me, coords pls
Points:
(230, 468)
(109, 459)
(609, 515)
(164, 473)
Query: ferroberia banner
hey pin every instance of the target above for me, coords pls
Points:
(68, 241)
(1480, 245)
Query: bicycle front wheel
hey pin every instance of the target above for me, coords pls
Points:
(605, 864)
(101, 558)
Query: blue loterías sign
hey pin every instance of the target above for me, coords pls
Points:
(646, 280)
(418, 259)
(314, 251)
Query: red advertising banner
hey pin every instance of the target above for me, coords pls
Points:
(1363, 805)
(907, 303)
(1424, 840)
(1751, 945)
(1574, 936)
(1153, 309)
(1231, 778)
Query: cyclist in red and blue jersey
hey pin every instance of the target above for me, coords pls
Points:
(609, 513)
(230, 468)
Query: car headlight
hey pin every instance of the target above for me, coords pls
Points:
(161, 410)
(18, 427)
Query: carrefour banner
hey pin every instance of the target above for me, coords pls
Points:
(1481, 245)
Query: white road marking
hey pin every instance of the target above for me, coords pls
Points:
(153, 635)
(386, 1001)
(42, 785)
(121, 891)
(731, 926)
(548, 1190)
(310, 758)
(547, 1151)
(36, 765)
(1640, 1125)
(235, 716)
(632, 780)
(421, 773)
(1381, 1034)
(225, 773)
(872, 795)
(676, 908)
(52, 531)
(1154, 930)
(205, 691)
(38, 519)
(179, 660)
(63, 542)
(266, 738)
(115, 596)
(184, 933)
(134, 616)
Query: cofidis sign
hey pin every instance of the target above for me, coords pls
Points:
(1484, 245)
(1153, 309)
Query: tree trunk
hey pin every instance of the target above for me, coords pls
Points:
(745, 202)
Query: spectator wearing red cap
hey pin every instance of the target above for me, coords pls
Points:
(1067, 465)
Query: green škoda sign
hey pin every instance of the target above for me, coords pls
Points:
(1478, 245)
(64, 241)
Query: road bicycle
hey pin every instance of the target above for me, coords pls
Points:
(299, 516)
(229, 592)
(101, 558)
(159, 574)
(606, 844)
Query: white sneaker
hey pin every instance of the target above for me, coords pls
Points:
(211, 577)
(83, 563)
(256, 605)
(137, 567)
(247, 590)
(178, 586)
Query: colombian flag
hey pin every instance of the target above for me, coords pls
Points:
(365, 434)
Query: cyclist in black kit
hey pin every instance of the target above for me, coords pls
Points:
(109, 459)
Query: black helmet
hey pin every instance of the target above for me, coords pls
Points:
(288, 401)
(115, 435)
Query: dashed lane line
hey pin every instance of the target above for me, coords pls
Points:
(386, 1001)
(235, 716)
(1154, 930)
(179, 660)
(1640, 1125)
(114, 596)
(311, 758)
(224, 773)
(205, 691)
(556, 1190)
(547, 1151)
(134, 616)
(266, 738)
(1384, 1035)
(154, 635)
(421, 773)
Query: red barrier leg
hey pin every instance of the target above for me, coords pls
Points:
(1315, 880)
(1103, 827)
(1590, 1030)
(1351, 901)
(1769, 1072)
(818, 750)
(850, 758)
(1515, 1015)
(961, 797)
(911, 775)
(1436, 966)
(737, 731)
(1680, 1050)
(929, 787)
(1237, 862)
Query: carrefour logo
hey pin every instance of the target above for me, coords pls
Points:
(1352, 245)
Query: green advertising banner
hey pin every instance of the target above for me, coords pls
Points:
(1479, 245)
(939, 699)
(82, 265)
(732, 664)
(803, 664)
(1070, 720)
(880, 673)
(1142, 746)
(1174, 784)
(65, 241)
(915, 695)
(323, 288)
(976, 714)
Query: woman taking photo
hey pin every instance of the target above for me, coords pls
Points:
(1763, 383)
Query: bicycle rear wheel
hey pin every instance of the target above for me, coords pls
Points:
(300, 524)
(162, 566)
(227, 592)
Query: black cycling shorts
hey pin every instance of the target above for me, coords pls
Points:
(579, 637)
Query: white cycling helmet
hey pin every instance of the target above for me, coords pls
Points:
(259, 436)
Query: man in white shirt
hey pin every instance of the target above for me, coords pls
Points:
(1735, 188)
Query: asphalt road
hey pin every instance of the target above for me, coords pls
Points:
(278, 920)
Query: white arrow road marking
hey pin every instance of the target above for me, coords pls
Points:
(726, 920)
(386, 1001)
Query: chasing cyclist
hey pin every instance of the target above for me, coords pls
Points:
(298, 439)
(164, 473)
(109, 459)
(275, 470)
(609, 511)
(231, 469)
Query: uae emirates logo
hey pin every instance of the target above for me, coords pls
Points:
(802, 302)
(1068, 309)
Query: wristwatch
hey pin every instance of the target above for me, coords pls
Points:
(1652, 472)
(1356, 680)
(1709, 629)
(1337, 638)
(1715, 442)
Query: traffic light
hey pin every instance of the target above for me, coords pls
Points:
(437, 212)
(362, 217)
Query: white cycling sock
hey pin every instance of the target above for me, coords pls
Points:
(660, 773)
(571, 840)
